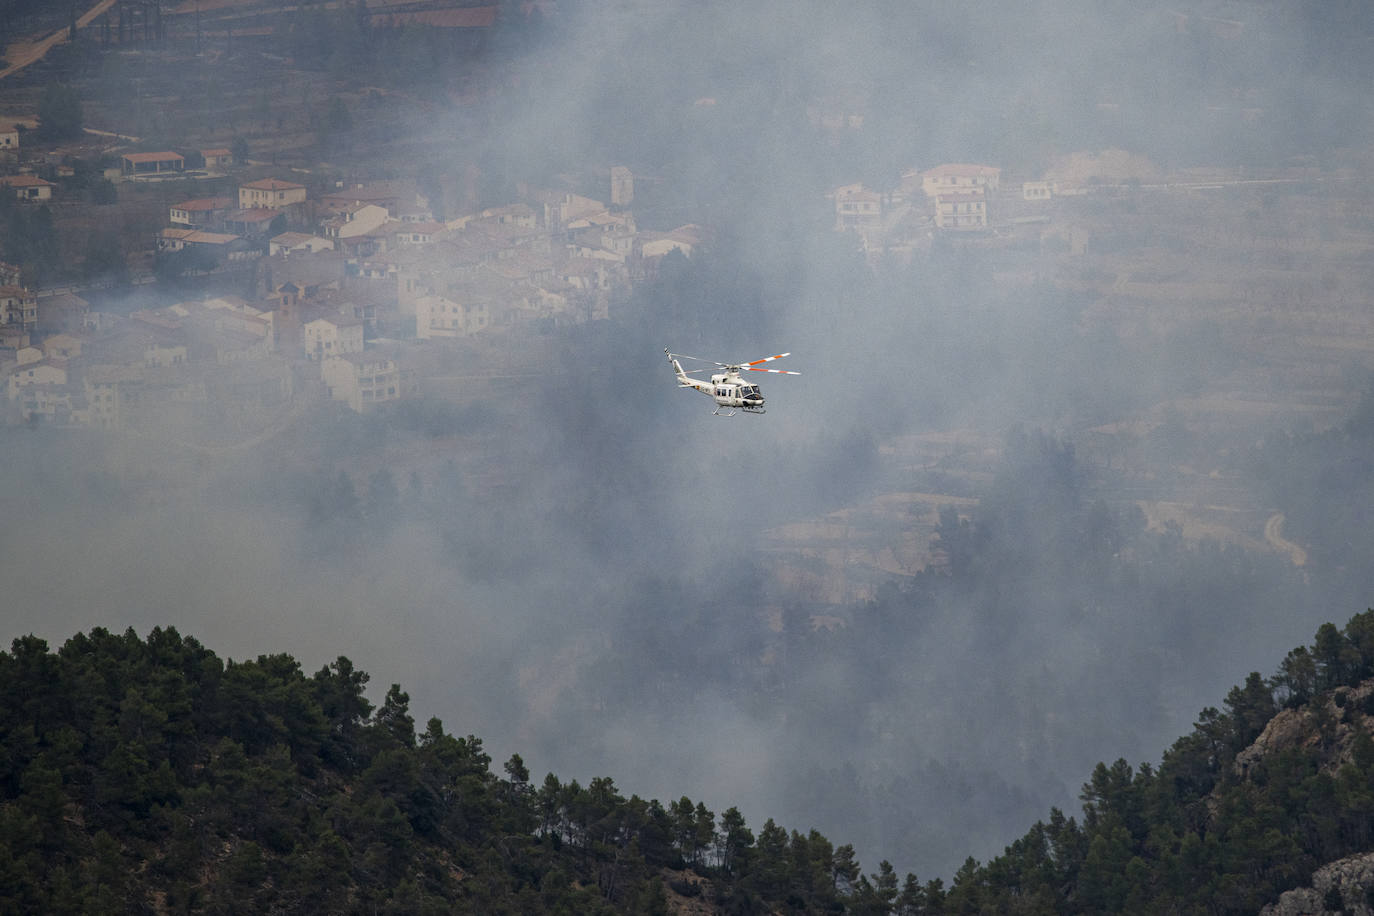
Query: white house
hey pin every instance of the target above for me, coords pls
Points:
(325, 337)
(416, 233)
(217, 158)
(271, 193)
(436, 316)
(857, 207)
(965, 210)
(9, 139)
(42, 372)
(363, 380)
(28, 187)
(354, 220)
(943, 179)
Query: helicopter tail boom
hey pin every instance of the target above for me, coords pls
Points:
(683, 379)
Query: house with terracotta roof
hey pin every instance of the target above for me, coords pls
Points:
(28, 187)
(400, 198)
(217, 158)
(140, 164)
(201, 212)
(272, 193)
(222, 246)
(256, 223)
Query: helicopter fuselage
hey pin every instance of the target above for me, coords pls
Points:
(728, 388)
(729, 391)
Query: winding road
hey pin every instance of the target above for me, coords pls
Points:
(1273, 535)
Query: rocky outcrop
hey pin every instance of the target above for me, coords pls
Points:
(1341, 887)
(1328, 723)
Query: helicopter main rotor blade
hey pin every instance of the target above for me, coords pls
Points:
(778, 371)
(767, 359)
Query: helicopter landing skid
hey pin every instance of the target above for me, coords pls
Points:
(730, 411)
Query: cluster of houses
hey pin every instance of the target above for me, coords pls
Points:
(350, 287)
(956, 198)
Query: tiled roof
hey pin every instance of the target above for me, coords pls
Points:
(24, 181)
(205, 203)
(272, 184)
(152, 157)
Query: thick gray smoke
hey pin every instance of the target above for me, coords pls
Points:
(584, 574)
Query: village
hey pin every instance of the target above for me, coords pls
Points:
(288, 243)
(355, 287)
(350, 286)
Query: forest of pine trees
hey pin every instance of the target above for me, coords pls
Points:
(149, 775)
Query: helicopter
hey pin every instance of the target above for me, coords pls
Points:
(727, 387)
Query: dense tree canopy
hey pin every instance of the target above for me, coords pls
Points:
(135, 771)
(141, 770)
(1202, 832)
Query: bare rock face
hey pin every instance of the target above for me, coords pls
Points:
(1329, 723)
(1344, 886)
(1290, 728)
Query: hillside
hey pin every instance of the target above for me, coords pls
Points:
(1267, 805)
(151, 776)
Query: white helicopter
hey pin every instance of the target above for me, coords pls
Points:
(727, 387)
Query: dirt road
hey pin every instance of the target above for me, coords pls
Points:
(25, 51)
(1273, 533)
